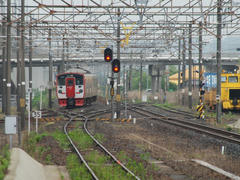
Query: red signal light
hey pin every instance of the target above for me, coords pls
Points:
(108, 58)
(108, 55)
(115, 65)
(115, 69)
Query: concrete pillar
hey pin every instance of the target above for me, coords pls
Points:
(153, 84)
(158, 79)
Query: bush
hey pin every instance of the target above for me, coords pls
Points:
(4, 161)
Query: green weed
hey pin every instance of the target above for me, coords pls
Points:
(95, 157)
(145, 156)
(4, 161)
(82, 140)
(76, 170)
(136, 167)
(48, 159)
(32, 140)
(165, 105)
(100, 137)
(229, 128)
(61, 138)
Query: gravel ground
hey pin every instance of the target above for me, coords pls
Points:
(169, 148)
(172, 148)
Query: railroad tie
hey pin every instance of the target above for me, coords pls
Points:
(129, 120)
(123, 120)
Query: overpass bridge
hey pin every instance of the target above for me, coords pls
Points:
(44, 62)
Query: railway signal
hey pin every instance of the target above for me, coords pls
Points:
(200, 107)
(108, 55)
(116, 66)
(202, 91)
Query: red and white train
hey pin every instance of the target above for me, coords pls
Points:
(76, 88)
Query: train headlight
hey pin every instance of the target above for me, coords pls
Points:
(80, 90)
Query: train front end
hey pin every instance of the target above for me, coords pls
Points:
(70, 89)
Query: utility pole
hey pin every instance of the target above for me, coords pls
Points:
(63, 56)
(219, 66)
(112, 92)
(200, 73)
(140, 81)
(30, 65)
(190, 67)
(22, 57)
(18, 84)
(67, 53)
(8, 91)
(165, 85)
(4, 68)
(179, 69)
(50, 69)
(130, 77)
(18, 70)
(183, 68)
(118, 97)
(125, 90)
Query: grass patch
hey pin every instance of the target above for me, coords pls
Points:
(4, 161)
(76, 170)
(95, 157)
(165, 105)
(32, 140)
(98, 161)
(229, 116)
(100, 137)
(82, 140)
(136, 167)
(61, 138)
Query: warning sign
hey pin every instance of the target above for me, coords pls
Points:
(118, 97)
(22, 102)
(112, 91)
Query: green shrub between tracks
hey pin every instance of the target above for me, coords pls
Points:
(99, 162)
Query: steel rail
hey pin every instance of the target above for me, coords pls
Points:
(76, 149)
(97, 142)
(104, 149)
(185, 113)
(215, 132)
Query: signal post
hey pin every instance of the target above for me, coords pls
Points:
(118, 97)
(108, 56)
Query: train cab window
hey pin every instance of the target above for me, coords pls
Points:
(79, 80)
(223, 78)
(232, 79)
(61, 80)
(70, 82)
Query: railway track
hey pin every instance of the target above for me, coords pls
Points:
(215, 132)
(86, 119)
(176, 111)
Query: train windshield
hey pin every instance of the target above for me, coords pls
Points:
(61, 80)
(70, 82)
(78, 77)
(232, 79)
